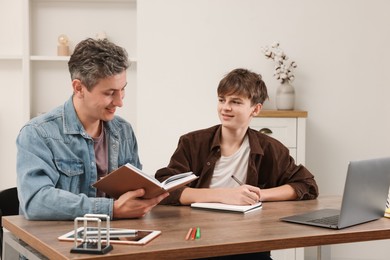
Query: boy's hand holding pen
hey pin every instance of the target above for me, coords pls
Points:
(241, 183)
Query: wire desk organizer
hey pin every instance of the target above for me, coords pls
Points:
(93, 245)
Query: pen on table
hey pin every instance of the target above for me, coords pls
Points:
(237, 180)
(188, 234)
(193, 233)
(124, 232)
(198, 233)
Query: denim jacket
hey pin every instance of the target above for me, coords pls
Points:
(56, 164)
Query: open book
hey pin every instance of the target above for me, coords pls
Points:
(128, 177)
(227, 207)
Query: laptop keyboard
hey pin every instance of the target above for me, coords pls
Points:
(332, 220)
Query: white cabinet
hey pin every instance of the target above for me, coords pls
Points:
(46, 80)
(289, 127)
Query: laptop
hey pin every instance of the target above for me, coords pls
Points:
(364, 199)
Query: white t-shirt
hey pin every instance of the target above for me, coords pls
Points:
(235, 164)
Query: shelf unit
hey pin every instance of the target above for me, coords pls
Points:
(10, 57)
(46, 80)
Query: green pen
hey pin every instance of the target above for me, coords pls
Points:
(197, 236)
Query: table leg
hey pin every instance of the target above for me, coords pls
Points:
(323, 253)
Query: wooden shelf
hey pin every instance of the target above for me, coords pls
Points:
(61, 58)
(282, 113)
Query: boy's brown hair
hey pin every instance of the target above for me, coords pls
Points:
(246, 83)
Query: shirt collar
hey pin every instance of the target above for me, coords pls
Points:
(252, 136)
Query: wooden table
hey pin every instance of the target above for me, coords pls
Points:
(222, 233)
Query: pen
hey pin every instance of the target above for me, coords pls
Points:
(193, 233)
(198, 233)
(237, 180)
(188, 234)
(124, 232)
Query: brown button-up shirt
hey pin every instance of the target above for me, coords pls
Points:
(270, 164)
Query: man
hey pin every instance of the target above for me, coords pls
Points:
(63, 152)
(236, 164)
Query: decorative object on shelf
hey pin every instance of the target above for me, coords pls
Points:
(285, 93)
(63, 45)
(285, 96)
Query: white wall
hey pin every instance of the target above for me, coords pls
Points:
(11, 97)
(342, 51)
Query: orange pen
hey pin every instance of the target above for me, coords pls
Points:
(188, 234)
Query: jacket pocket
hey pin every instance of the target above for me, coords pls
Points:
(69, 167)
(70, 171)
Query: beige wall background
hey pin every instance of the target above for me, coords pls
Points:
(341, 48)
(342, 51)
(11, 118)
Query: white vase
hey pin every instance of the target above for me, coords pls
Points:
(285, 96)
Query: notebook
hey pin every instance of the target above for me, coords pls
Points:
(364, 198)
(227, 207)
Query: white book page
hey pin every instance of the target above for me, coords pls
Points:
(176, 177)
(229, 207)
(147, 176)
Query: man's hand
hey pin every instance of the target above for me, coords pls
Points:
(130, 204)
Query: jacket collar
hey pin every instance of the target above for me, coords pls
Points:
(216, 143)
(72, 123)
(254, 141)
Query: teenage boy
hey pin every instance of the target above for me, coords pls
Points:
(232, 149)
(63, 152)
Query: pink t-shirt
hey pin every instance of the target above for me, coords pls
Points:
(101, 157)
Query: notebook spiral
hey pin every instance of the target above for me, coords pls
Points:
(388, 200)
